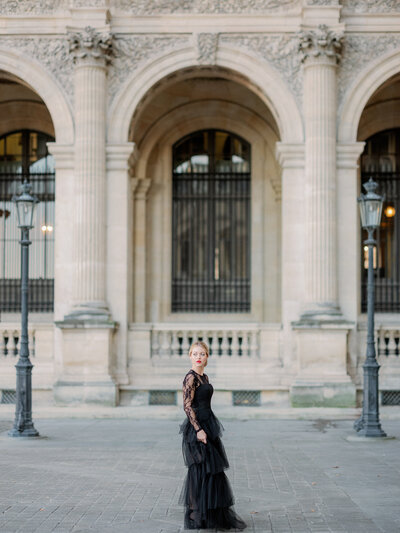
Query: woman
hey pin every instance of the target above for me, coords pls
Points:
(206, 494)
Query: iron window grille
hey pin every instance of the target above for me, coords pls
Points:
(211, 223)
(24, 155)
(381, 161)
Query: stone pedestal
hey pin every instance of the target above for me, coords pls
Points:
(322, 379)
(85, 374)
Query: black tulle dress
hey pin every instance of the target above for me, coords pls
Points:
(206, 493)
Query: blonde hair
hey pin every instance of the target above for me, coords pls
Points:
(202, 345)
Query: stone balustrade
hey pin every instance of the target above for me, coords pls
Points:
(224, 341)
(388, 341)
(10, 338)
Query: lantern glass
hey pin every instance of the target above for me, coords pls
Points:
(25, 213)
(371, 212)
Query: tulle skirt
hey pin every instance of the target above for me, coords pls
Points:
(206, 493)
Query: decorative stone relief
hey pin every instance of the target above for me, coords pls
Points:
(90, 46)
(358, 51)
(151, 7)
(281, 51)
(32, 7)
(322, 2)
(320, 42)
(207, 45)
(90, 3)
(131, 52)
(52, 53)
(371, 6)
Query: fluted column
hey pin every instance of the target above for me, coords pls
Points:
(91, 51)
(321, 53)
(140, 189)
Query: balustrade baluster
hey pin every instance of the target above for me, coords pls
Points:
(235, 344)
(4, 349)
(175, 346)
(16, 340)
(214, 350)
(185, 342)
(165, 349)
(392, 343)
(253, 352)
(155, 344)
(245, 344)
(225, 343)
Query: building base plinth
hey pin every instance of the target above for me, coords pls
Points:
(322, 379)
(101, 393)
(86, 363)
(322, 394)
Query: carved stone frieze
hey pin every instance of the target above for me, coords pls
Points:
(150, 7)
(32, 7)
(90, 46)
(90, 3)
(320, 42)
(52, 53)
(131, 51)
(278, 50)
(371, 6)
(322, 2)
(358, 52)
(207, 44)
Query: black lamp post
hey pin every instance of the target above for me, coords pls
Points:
(23, 424)
(371, 211)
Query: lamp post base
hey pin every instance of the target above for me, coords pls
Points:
(27, 432)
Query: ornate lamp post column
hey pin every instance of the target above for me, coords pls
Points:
(91, 51)
(23, 424)
(321, 53)
(371, 211)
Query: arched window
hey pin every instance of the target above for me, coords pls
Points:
(381, 161)
(23, 154)
(211, 223)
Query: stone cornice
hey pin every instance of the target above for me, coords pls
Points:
(321, 42)
(90, 46)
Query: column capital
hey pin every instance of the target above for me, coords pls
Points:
(321, 43)
(290, 155)
(141, 187)
(63, 154)
(348, 154)
(90, 47)
(120, 156)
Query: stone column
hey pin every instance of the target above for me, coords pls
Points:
(88, 342)
(140, 189)
(322, 332)
(321, 53)
(91, 51)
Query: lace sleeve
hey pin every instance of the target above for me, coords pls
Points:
(188, 395)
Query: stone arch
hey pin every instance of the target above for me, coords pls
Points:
(154, 163)
(262, 79)
(363, 87)
(37, 78)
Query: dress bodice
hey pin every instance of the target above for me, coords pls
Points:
(203, 393)
(197, 393)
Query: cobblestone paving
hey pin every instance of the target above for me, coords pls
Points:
(120, 476)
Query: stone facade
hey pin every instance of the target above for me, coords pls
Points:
(118, 83)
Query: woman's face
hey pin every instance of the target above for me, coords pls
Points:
(198, 358)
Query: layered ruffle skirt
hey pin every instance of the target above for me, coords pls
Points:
(206, 493)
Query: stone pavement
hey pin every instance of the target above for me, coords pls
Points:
(123, 475)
